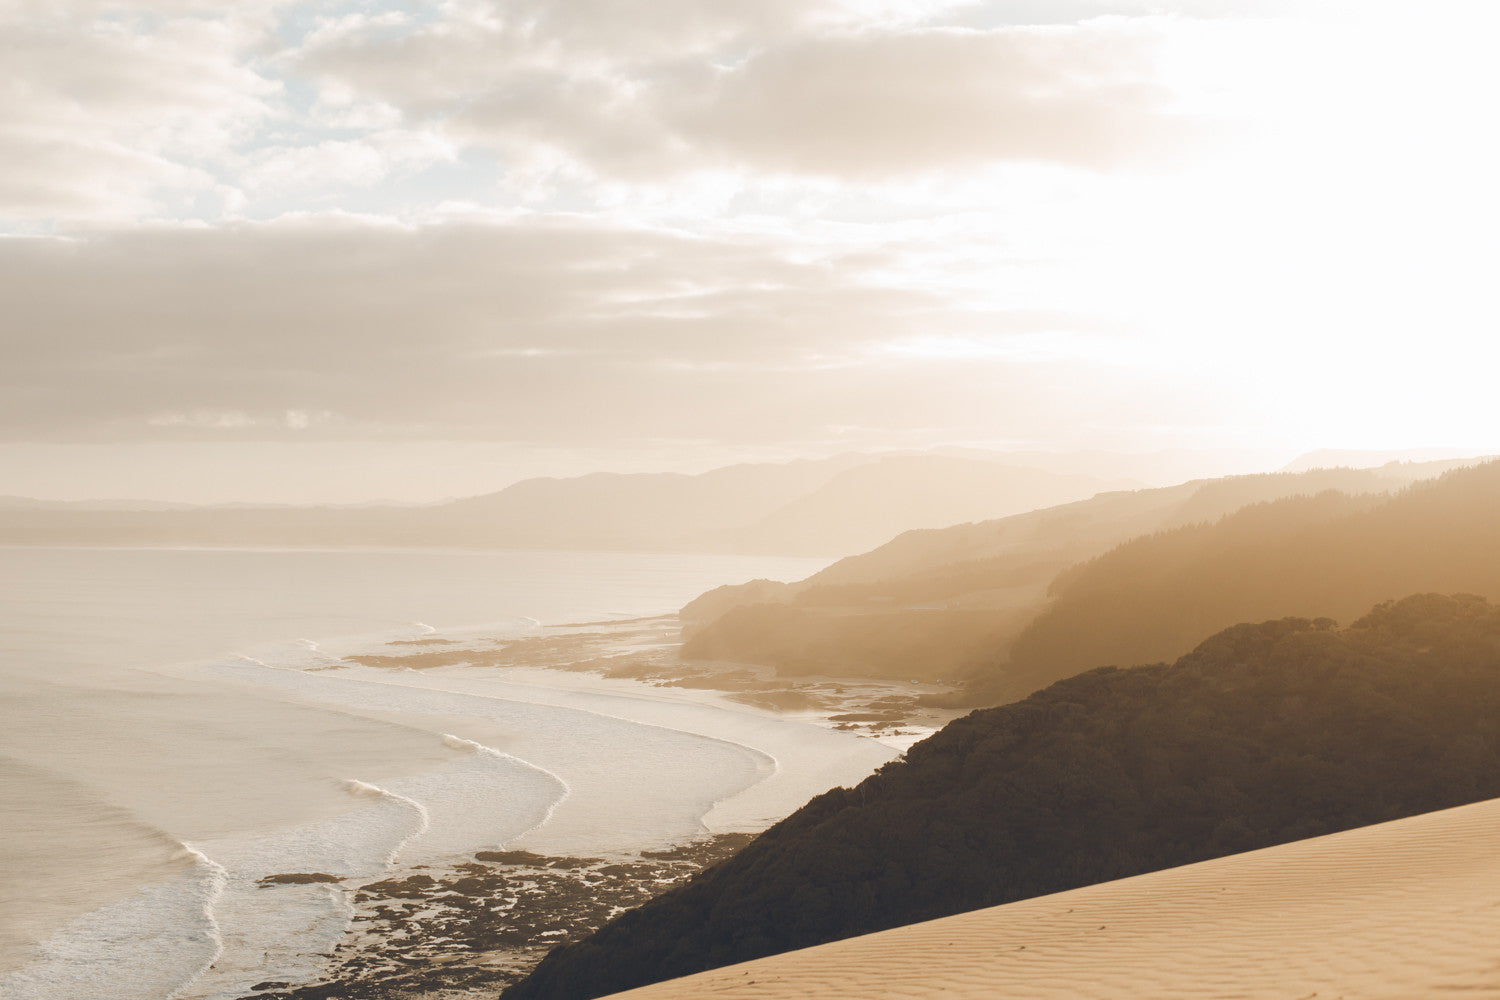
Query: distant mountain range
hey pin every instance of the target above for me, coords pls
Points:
(9, 503)
(816, 508)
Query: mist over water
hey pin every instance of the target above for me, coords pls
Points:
(171, 738)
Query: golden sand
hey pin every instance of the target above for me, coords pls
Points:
(1405, 909)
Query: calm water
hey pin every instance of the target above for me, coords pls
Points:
(169, 738)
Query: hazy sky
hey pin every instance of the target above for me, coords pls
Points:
(288, 251)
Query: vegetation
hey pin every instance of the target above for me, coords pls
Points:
(1155, 597)
(927, 644)
(1264, 734)
(991, 579)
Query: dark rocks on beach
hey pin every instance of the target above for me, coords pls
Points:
(413, 886)
(528, 859)
(297, 878)
(430, 933)
(484, 924)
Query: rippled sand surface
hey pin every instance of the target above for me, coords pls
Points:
(1404, 909)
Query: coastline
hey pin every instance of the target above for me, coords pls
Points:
(434, 931)
(440, 929)
(627, 657)
(167, 702)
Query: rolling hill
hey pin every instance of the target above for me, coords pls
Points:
(829, 508)
(1264, 734)
(1330, 555)
(946, 604)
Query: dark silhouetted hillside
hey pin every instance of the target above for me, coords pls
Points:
(1264, 734)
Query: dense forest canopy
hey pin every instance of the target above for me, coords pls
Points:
(1265, 733)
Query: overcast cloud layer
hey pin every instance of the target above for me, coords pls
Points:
(711, 230)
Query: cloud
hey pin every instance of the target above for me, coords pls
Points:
(649, 93)
(785, 216)
(465, 327)
(105, 110)
(876, 104)
(340, 164)
(130, 109)
(543, 330)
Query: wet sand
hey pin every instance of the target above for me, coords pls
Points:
(472, 929)
(646, 650)
(480, 924)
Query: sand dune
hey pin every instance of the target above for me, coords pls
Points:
(1404, 909)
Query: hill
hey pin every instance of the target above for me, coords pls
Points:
(1398, 909)
(639, 511)
(869, 504)
(1330, 555)
(1327, 458)
(946, 604)
(829, 507)
(1264, 734)
(601, 511)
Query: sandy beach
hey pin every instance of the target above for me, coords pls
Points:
(213, 802)
(1404, 909)
(482, 921)
(436, 929)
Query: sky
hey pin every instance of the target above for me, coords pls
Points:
(289, 251)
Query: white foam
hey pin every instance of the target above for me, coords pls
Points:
(632, 784)
(558, 772)
(109, 693)
(145, 947)
(286, 932)
(421, 820)
(794, 759)
(485, 800)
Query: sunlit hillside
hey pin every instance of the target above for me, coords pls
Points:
(947, 604)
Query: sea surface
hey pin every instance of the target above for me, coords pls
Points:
(177, 726)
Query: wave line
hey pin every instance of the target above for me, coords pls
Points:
(217, 881)
(459, 743)
(424, 819)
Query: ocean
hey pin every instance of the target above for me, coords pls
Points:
(181, 727)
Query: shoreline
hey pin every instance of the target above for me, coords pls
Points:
(168, 697)
(642, 653)
(436, 930)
